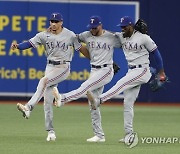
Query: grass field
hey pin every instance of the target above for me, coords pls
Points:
(73, 126)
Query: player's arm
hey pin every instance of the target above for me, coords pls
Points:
(21, 46)
(84, 51)
(159, 63)
(83, 48)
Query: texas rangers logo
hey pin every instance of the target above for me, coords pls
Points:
(122, 19)
(92, 21)
(54, 15)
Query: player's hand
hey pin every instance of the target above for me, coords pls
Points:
(14, 46)
(162, 75)
(159, 81)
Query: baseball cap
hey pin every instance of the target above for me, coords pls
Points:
(94, 22)
(125, 21)
(56, 16)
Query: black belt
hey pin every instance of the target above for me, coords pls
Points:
(99, 66)
(134, 66)
(57, 62)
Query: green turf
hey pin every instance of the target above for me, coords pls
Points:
(73, 127)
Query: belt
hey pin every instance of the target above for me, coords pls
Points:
(99, 66)
(134, 66)
(57, 62)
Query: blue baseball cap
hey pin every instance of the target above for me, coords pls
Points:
(56, 16)
(125, 21)
(94, 22)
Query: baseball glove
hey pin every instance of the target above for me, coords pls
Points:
(141, 26)
(116, 68)
(158, 83)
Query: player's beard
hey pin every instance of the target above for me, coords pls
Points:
(95, 33)
(126, 34)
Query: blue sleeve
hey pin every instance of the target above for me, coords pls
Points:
(158, 59)
(24, 45)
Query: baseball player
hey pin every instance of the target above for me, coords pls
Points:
(100, 44)
(58, 43)
(136, 47)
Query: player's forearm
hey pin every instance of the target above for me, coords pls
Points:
(159, 62)
(158, 59)
(24, 45)
(84, 51)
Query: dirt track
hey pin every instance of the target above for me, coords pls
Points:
(106, 103)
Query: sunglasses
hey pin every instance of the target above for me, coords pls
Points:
(94, 28)
(54, 21)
